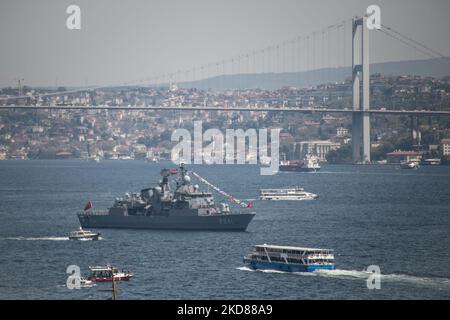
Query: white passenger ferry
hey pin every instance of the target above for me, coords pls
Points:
(290, 259)
(295, 193)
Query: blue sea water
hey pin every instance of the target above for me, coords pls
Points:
(396, 219)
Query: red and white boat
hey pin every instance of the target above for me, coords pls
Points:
(106, 274)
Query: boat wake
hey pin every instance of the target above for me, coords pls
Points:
(443, 283)
(264, 271)
(45, 238)
(38, 238)
(437, 282)
(99, 238)
(276, 271)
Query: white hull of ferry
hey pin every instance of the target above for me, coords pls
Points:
(290, 197)
(286, 194)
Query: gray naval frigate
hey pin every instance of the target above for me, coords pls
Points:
(183, 207)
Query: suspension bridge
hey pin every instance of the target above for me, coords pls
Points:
(321, 57)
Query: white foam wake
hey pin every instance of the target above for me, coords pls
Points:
(443, 283)
(99, 238)
(38, 238)
(245, 269)
(275, 271)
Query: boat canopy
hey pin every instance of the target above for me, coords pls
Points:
(281, 190)
(102, 268)
(291, 248)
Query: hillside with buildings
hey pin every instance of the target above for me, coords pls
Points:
(63, 134)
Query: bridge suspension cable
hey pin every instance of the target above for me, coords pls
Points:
(312, 56)
(270, 60)
(414, 41)
(282, 54)
(414, 44)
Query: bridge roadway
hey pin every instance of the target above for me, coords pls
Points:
(199, 108)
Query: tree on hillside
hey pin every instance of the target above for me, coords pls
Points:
(341, 155)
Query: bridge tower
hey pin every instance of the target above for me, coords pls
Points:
(361, 91)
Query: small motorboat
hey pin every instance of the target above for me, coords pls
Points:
(106, 274)
(81, 234)
(85, 283)
(409, 165)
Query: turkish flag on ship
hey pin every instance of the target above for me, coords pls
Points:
(88, 206)
(250, 205)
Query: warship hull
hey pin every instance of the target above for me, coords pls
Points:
(231, 222)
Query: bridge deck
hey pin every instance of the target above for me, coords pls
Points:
(281, 109)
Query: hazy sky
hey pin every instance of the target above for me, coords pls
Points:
(121, 40)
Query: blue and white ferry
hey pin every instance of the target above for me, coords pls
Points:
(289, 259)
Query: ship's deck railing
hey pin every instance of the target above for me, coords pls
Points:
(287, 195)
(281, 190)
(281, 194)
(93, 213)
(290, 260)
(291, 250)
(296, 256)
